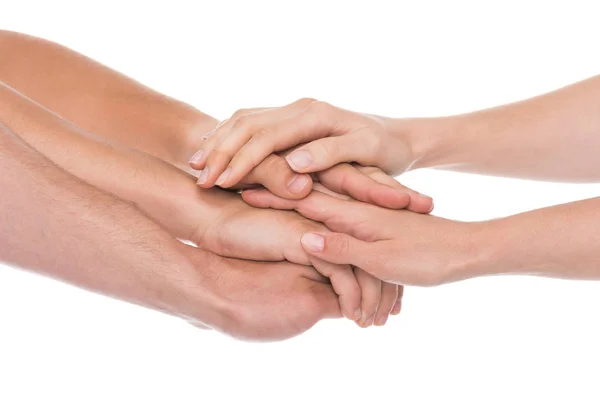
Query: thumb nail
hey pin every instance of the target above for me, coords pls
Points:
(299, 160)
(313, 242)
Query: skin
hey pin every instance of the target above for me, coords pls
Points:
(104, 248)
(555, 241)
(551, 137)
(213, 219)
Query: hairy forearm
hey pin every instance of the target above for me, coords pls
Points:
(57, 225)
(165, 193)
(551, 137)
(560, 241)
(100, 99)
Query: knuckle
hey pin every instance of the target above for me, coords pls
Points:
(305, 101)
(339, 244)
(318, 107)
(243, 122)
(240, 112)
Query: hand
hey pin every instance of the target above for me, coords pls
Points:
(253, 300)
(259, 133)
(394, 245)
(241, 231)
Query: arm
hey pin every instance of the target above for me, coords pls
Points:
(115, 107)
(550, 137)
(100, 99)
(57, 225)
(214, 219)
(554, 137)
(559, 241)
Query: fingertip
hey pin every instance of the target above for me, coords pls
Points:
(197, 160)
(299, 186)
(300, 160)
(313, 242)
(421, 203)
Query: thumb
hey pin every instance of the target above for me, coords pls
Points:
(339, 248)
(322, 154)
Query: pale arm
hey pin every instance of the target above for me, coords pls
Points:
(414, 249)
(555, 136)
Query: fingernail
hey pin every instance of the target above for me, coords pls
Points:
(196, 158)
(299, 159)
(313, 242)
(396, 309)
(203, 176)
(298, 183)
(223, 177)
(370, 321)
(357, 313)
(425, 196)
(382, 320)
(208, 134)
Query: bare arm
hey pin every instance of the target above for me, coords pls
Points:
(100, 99)
(555, 136)
(57, 225)
(166, 194)
(559, 241)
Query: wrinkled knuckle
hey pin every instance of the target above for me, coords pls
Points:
(330, 149)
(339, 244)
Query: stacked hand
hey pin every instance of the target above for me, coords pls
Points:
(238, 149)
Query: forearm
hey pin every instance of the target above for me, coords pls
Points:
(55, 224)
(100, 99)
(552, 137)
(165, 193)
(560, 241)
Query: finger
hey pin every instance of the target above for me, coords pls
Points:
(241, 131)
(322, 154)
(344, 284)
(371, 296)
(339, 248)
(389, 294)
(419, 203)
(398, 305)
(276, 175)
(346, 216)
(314, 122)
(198, 160)
(346, 179)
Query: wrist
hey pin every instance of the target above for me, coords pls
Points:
(190, 293)
(190, 128)
(490, 250)
(431, 142)
(475, 252)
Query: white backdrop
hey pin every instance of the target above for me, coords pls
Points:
(501, 337)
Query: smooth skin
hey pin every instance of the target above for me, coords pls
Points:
(551, 137)
(213, 219)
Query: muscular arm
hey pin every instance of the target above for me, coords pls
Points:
(101, 100)
(57, 225)
(555, 136)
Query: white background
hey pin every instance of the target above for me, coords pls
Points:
(500, 337)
